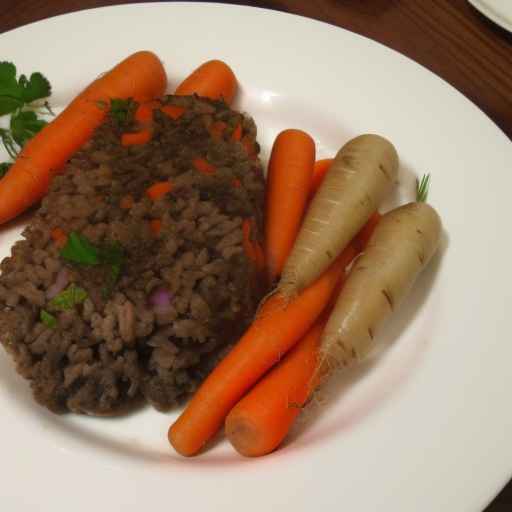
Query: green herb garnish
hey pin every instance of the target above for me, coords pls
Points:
(78, 249)
(24, 125)
(16, 98)
(422, 188)
(121, 111)
(68, 298)
(48, 319)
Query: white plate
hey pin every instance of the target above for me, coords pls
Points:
(499, 11)
(423, 427)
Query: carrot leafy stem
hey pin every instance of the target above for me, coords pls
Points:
(422, 188)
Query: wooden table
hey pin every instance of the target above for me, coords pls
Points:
(447, 36)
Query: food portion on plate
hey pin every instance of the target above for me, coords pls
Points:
(157, 238)
(132, 277)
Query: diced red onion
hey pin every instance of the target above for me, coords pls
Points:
(60, 283)
(161, 299)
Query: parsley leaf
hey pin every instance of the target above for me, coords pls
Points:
(35, 88)
(24, 125)
(121, 111)
(68, 298)
(48, 319)
(78, 249)
(10, 92)
(4, 167)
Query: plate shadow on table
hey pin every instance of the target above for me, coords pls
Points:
(393, 374)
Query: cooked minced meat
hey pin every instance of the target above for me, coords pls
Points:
(152, 325)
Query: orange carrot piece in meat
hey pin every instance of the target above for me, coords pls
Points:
(213, 79)
(278, 327)
(156, 226)
(136, 138)
(290, 171)
(140, 76)
(202, 165)
(59, 236)
(126, 202)
(249, 146)
(158, 190)
(217, 129)
(144, 112)
(173, 111)
(236, 136)
(236, 183)
(321, 167)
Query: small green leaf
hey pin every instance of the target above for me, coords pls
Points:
(78, 249)
(35, 88)
(121, 111)
(24, 125)
(4, 167)
(422, 188)
(10, 91)
(9, 104)
(68, 298)
(48, 319)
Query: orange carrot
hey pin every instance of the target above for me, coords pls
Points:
(217, 129)
(236, 183)
(136, 138)
(126, 202)
(277, 328)
(260, 421)
(213, 79)
(321, 167)
(141, 76)
(289, 177)
(156, 226)
(144, 112)
(173, 111)
(59, 237)
(237, 133)
(158, 190)
(202, 165)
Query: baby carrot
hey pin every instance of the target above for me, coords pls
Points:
(279, 325)
(140, 76)
(213, 79)
(289, 177)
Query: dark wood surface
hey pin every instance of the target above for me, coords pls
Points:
(447, 36)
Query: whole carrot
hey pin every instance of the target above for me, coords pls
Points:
(213, 79)
(279, 325)
(140, 76)
(289, 176)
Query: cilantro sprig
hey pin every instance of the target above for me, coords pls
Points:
(80, 250)
(17, 97)
(67, 299)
